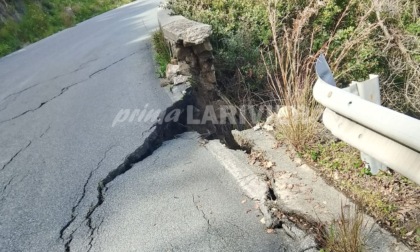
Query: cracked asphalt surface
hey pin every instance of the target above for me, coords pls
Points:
(180, 199)
(58, 99)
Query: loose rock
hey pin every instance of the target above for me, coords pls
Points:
(180, 79)
(171, 71)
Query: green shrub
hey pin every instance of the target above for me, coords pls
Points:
(240, 29)
(42, 18)
(34, 24)
(162, 54)
(349, 32)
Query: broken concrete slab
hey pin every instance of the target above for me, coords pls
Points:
(181, 29)
(255, 187)
(236, 164)
(300, 190)
(177, 93)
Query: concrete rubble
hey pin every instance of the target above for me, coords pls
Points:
(299, 190)
(254, 186)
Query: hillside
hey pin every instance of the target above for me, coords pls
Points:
(26, 21)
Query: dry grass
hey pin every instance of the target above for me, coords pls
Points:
(290, 67)
(394, 202)
(348, 233)
(289, 61)
(361, 31)
(290, 75)
(290, 71)
(402, 51)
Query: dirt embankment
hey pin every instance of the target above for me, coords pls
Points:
(11, 9)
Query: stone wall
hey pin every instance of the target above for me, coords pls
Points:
(191, 51)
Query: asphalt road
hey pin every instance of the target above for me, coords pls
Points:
(58, 100)
(179, 199)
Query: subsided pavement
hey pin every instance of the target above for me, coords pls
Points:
(70, 181)
(182, 199)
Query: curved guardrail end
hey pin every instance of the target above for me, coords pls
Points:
(323, 70)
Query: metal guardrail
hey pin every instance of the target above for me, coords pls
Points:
(385, 137)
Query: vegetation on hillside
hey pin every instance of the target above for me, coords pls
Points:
(380, 37)
(265, 52)
(162, 54)
(27, 21)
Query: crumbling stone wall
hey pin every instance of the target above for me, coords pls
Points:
(191, 51)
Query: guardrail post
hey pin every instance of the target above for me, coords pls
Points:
(369, 90)
(382, 133)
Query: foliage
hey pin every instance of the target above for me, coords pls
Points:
(350, 33)
(240, 27)
(388, 203)
(41, 18)
(358, 38)
(162, 54)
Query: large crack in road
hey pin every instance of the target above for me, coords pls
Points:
(163, 130)
(13, 158)
(15, 155)
(110, 65)
(64, 89)
(68, 239)
(6, 101)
